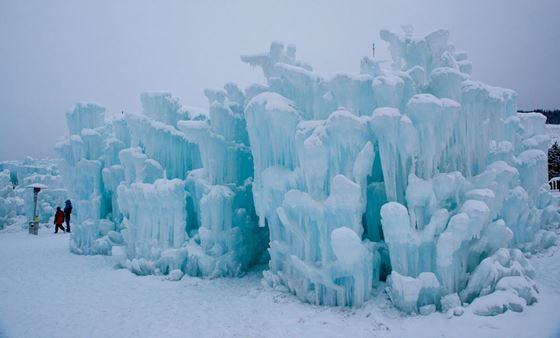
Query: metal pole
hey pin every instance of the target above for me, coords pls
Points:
(34, 225)
(35, 197)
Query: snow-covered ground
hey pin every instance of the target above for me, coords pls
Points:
(45, 291)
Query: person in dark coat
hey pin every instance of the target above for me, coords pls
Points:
(58, 220)
(67, 213)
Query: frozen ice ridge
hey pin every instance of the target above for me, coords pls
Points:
(412, 174)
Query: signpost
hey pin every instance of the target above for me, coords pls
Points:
(34, 224)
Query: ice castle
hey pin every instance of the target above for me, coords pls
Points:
(409, 175)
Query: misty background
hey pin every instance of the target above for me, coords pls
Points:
(56, 53)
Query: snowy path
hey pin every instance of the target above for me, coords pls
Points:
(47, 292)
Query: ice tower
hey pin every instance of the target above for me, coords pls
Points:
(426, 172)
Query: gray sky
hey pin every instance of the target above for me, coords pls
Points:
(56, 53)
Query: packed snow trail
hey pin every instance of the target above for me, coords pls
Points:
(45, 291)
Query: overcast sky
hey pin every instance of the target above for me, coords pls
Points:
(56, 53)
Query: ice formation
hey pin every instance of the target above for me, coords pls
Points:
(172, 185)
(16, 195)
(436, 170)
(414, 174)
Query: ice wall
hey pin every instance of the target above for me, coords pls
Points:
(155, 219)
(226, 238)
(91, 147)
(310, 180)
(164, 144)
(436, 169)
(414, 174)
(475, 183)
(170, 199)
(83, 160)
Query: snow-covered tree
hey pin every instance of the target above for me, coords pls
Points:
(554, 161)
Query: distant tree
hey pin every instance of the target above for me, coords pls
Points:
(554, 161)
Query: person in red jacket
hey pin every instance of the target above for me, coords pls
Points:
(58, 220)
